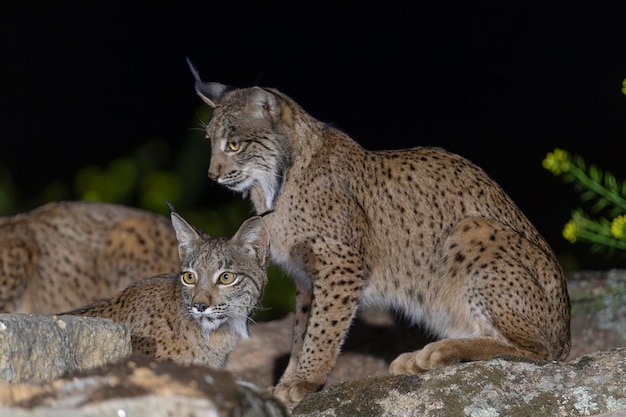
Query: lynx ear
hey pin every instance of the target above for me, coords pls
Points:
(186, 234)
(261, 102)
(254, 236)
(210, 93)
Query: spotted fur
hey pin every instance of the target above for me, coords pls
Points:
(64, 255)
(421, 231)
(199, 322)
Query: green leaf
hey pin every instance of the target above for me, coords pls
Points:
(595, 174)
(600, 205)
(609, 182)
(588, 195)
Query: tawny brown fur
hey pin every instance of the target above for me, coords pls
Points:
(422, 231)
(64, 255)
(199, 323)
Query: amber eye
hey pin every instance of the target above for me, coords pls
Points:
(227, 278)
(188, 278)
(233, 146)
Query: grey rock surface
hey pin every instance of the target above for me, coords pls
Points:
(598, 310)
(41, 348)
(139, 386)
(507, 386)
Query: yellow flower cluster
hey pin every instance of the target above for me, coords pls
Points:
(557, 162)
(618, 227)
(570, 230)
(624, 87)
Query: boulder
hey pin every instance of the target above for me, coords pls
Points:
(598, 310)
(139, 386)
(41, 348)
(504, 386)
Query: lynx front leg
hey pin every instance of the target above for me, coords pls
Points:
(333, 307)
(303, 307)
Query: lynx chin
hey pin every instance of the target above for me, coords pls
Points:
(421, 231)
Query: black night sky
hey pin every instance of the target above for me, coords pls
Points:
(499, 82)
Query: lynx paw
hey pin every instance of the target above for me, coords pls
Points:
(405, 364)
(441, 353)
(291, 393)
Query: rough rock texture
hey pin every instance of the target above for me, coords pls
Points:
(590, 385)
(140, 387)
(505, 386)
(40, 348)
(598, 310)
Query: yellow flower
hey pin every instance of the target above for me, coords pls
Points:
(624, 87)
(570, 231)
(618, 227)
(557, 162)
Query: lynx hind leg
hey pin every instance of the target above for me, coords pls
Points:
(516, 299)
(135, 248)
(448, 351)
(17, 262)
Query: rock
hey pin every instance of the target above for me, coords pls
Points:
(598, 310)
(139, 386)
(504, 386)
(40, 348)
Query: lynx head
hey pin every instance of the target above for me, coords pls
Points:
(249, 133)
(222, 280)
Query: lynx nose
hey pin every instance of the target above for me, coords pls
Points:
(213, 176)
(200, 307)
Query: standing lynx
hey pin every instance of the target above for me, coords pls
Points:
(64, 255)
(421, 230)
(199, 315)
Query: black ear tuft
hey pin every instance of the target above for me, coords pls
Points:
(171, 206)
(210, 93)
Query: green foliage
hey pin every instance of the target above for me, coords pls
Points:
(604, 197)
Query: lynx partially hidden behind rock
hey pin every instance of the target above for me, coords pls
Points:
(64, 255)
(422, 231)
(199, 315)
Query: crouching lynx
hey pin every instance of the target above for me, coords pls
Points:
(199, 315)
(67, 254)
(421, 230)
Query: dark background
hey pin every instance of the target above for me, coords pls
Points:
(501, 83)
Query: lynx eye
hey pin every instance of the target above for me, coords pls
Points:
(227, 278)
(188, 278)
(233, 146)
